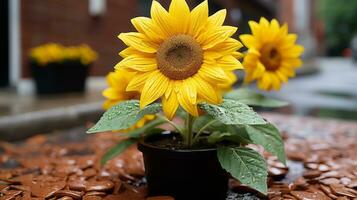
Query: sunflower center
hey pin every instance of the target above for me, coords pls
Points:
(271, 57)
(179, 57)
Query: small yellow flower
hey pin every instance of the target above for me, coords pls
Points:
(55, 53)
(87, 55)
(183, 57)
(272, 55)
(116, 92)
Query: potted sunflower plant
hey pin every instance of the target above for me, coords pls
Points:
(177, 70)
(60, 69)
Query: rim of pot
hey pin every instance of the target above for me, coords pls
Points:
(143, 143)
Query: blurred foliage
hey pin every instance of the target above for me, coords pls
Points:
(340, 18)
(336, 113)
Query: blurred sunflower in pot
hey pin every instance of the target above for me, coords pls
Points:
(55, 53)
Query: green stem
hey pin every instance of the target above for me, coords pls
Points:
(202, 129)
(189, 134)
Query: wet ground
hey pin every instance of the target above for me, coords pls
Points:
(65, 165)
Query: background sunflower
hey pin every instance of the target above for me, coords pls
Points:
(116, 92)
(272, 55)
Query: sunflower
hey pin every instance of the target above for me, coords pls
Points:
(272, 55)
(183, 57)
(116, 92)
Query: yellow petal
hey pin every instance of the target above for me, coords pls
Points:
(264, 22)
(127, 52)
(108, 104)
(275, 81)
(161, 18)
(287, 71)
(130, 51)
(198, 18)
(250, 61)
(111, 93)
(110, 78)
(216, 36)
(232, 76)
(249, 41)
(229, 63)
(138, 81)
(137, 63)
(138, 41)
(229, 46)
(205, 90)
(185, 99)
(170, 105)
(211, 56)
(281, 76)
(217, 19)
(265, 30)
(274, 28)
(253, 52)
(191, 90)
(293, 62)
(238, 55)
(248, 77)
(265, 82)
(287, 41)
(155, 86)
(255, 28)
(258, 71)
(232, 79)
(119, 78)
(180, 15)
(146, 26)
(283, 30)
(169, 88)
(293, 52)
(213, 74)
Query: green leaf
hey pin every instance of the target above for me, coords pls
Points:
(232, 112)
(232, 133)
(201, 121)
(147, 129)
(269, 137)
(123, 116)
(246, 165)
(217, 137)
(117, 149)
(252, 98)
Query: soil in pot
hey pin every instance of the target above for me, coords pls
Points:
(186, 174)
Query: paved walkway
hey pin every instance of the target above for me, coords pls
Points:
(13, 104)
(335, 86)
(24, 115)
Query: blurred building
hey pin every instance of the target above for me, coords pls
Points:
(29, 23)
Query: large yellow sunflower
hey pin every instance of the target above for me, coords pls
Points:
(272, 55)
(116, 92)
(182, 56)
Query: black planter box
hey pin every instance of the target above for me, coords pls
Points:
(57, 78)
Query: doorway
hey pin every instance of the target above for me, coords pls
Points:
(4, 43)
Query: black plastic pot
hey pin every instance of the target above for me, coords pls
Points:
(183, 174)
(57, 78)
